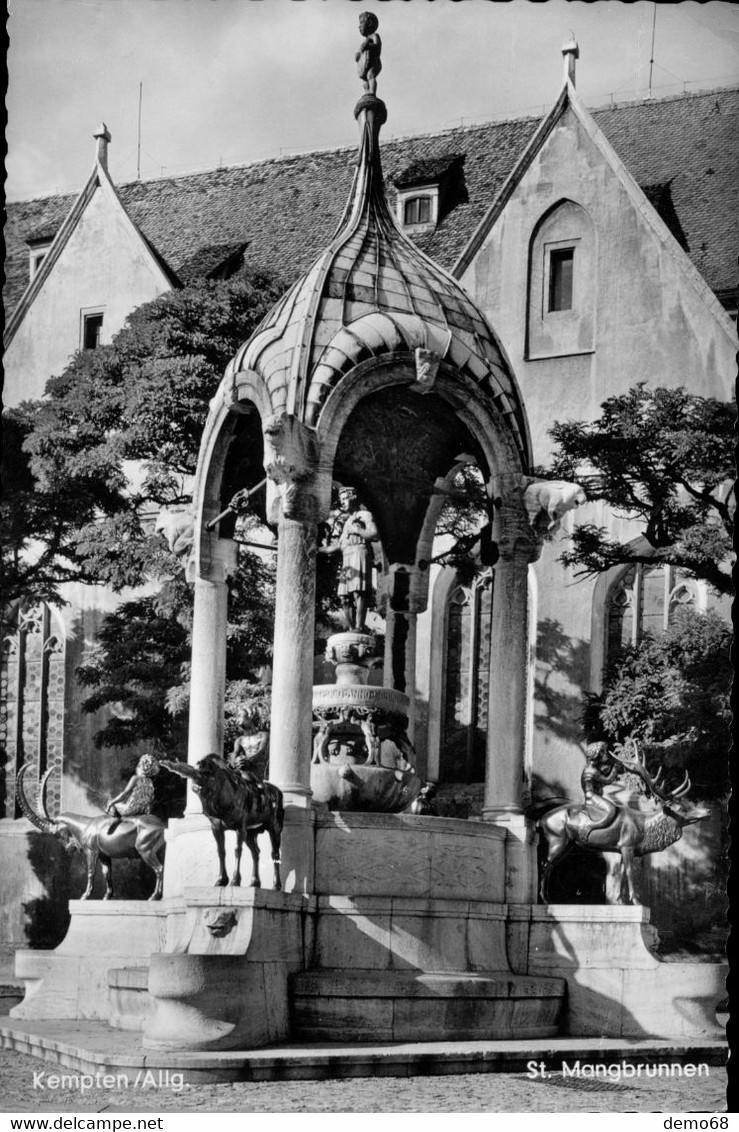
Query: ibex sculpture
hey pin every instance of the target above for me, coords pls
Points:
(630, 832)
(101, 837)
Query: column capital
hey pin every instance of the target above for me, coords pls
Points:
(213, 559)
(295, 487)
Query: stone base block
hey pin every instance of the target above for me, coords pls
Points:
(402, 933)
(409, 855)
(616, 987)
(72, 981)
(192, 859)
(130, 1001)
(210, 1002)
(368, 1006)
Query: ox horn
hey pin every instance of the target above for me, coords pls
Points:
(44, 823)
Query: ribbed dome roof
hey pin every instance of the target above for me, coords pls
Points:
(371, 293)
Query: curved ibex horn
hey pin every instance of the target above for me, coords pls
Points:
(41, 806)
(44, 824)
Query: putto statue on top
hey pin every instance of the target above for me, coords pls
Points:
(368, 59)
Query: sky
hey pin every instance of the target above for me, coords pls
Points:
(233, 81)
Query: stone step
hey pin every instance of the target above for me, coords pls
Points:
(395, 1006)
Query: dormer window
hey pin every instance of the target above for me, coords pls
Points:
(37, 254)
(417, 210)
(427, 190)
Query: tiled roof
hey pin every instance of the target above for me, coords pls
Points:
(428, 169)
(287, 209)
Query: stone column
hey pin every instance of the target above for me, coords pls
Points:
(208, 664)
(504, 769)
(400, 658)
(292, 663)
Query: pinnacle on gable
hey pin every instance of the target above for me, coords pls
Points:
(102, 134)
(570, 53)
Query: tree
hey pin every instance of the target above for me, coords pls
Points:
(673, 695)
(115, 440)
(664, 456)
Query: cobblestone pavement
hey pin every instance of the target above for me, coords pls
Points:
(479, 1092)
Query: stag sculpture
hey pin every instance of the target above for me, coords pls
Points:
(100, 837)
(628, 832)
(235, 801)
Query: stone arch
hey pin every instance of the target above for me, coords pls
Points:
(236, 399)
(561, 284)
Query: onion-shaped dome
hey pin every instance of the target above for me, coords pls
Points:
(372, 292)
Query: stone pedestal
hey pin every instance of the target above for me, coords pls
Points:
(615, 985)
(72, 980)
(192, 859)
(224, 983)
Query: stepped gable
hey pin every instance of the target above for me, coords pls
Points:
(285, 210)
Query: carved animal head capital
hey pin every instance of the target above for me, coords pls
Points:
(290, 461)
(427, 368)
(548, 501)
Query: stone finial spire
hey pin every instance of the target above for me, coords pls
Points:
(102, 134)
(570, 53)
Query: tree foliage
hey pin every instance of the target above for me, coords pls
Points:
(115, 440)
(666, 457)
(672, 694)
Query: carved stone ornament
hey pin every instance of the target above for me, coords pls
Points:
(290, 460)
(427, 368)
(178, 527)
(548, 501)
(220, 922)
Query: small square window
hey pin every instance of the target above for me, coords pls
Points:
(92, 327)
(561, 274)
(417, 210)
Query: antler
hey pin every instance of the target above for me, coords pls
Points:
(654, 783)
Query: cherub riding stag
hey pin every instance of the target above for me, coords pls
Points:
(629, 832)
(231, 801)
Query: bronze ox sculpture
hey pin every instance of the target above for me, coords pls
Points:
(239, 802)
(627, 831)
(100, 837)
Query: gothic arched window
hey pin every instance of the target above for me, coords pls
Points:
(562, 283)
(643, 601)
(467, 672)
(32, 703)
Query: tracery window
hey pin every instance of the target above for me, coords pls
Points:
(644, 601)
(32, 703)
(465, 712)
